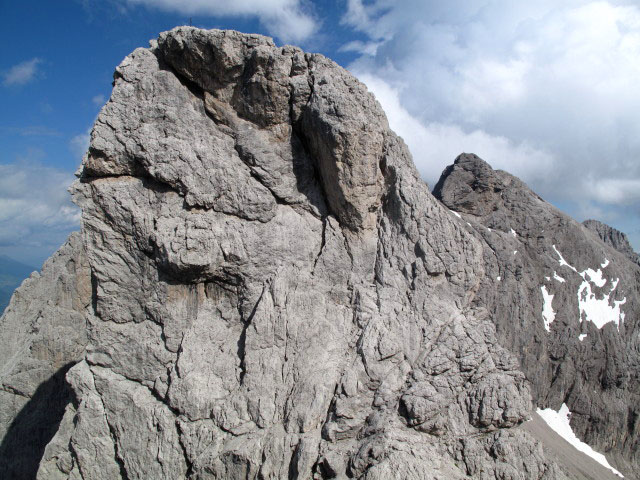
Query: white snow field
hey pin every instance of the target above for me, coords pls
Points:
(559, 422)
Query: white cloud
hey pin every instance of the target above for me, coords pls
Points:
(434, 145)
(545, 90)
(286, 19)
(36, 213)
(366, 48)
(621, 191)
(79, 144)
(99, 100)
(21, 73)
(32, 131)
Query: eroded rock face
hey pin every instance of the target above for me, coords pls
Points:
(562, 300)
(275, 291)
(613, 237)
(43, 334)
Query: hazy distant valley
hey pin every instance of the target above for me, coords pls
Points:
(12, 273)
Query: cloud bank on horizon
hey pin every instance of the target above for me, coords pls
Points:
(36, 212)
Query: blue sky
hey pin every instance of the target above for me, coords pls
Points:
(546, 91)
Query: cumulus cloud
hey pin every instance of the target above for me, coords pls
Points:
(36, 213)
(545, 90)
(289, 20)
(620, 191)
(21, 73)
(434, 145)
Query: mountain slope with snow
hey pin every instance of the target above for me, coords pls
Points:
(566, 304)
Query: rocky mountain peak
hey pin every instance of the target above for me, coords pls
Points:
(471, 186)
(263, 287)
(563, 299)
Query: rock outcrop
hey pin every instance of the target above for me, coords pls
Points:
(613, 237)
(563, 301)
(43, 334)
(264, 287)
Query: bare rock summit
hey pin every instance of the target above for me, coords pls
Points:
(565, 301)
(264, 287)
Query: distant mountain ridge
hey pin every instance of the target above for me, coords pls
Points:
(564, 298)
(613, 237)
(12, 273)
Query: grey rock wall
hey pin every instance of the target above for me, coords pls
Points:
(275, 292)
(43, 334)
(565, 302)
(263, 287)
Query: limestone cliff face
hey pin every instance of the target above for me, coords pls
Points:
(565, 302)
(264, 287)
(43, 334)
(613, 237)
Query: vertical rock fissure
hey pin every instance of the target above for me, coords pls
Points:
(242, 340)
(116, 448)
(322, 244)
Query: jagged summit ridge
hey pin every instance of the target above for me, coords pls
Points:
(563, 300)
(613, 237)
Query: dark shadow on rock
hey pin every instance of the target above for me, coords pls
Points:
(307, 173)
(33, 428)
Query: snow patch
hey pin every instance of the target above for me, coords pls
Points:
(582, 336)
(456, 214)
(548, 315)
(598, 310)
(558, 277)
(498, 278)
(559, 423)
(547, 279)
(515, 251)
(562, 261)
(595, 276)
(513, 232)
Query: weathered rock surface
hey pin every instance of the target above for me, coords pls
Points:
(613, 237)
(565, 302)
(264, 287)
(43, 334)
(275, 291)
